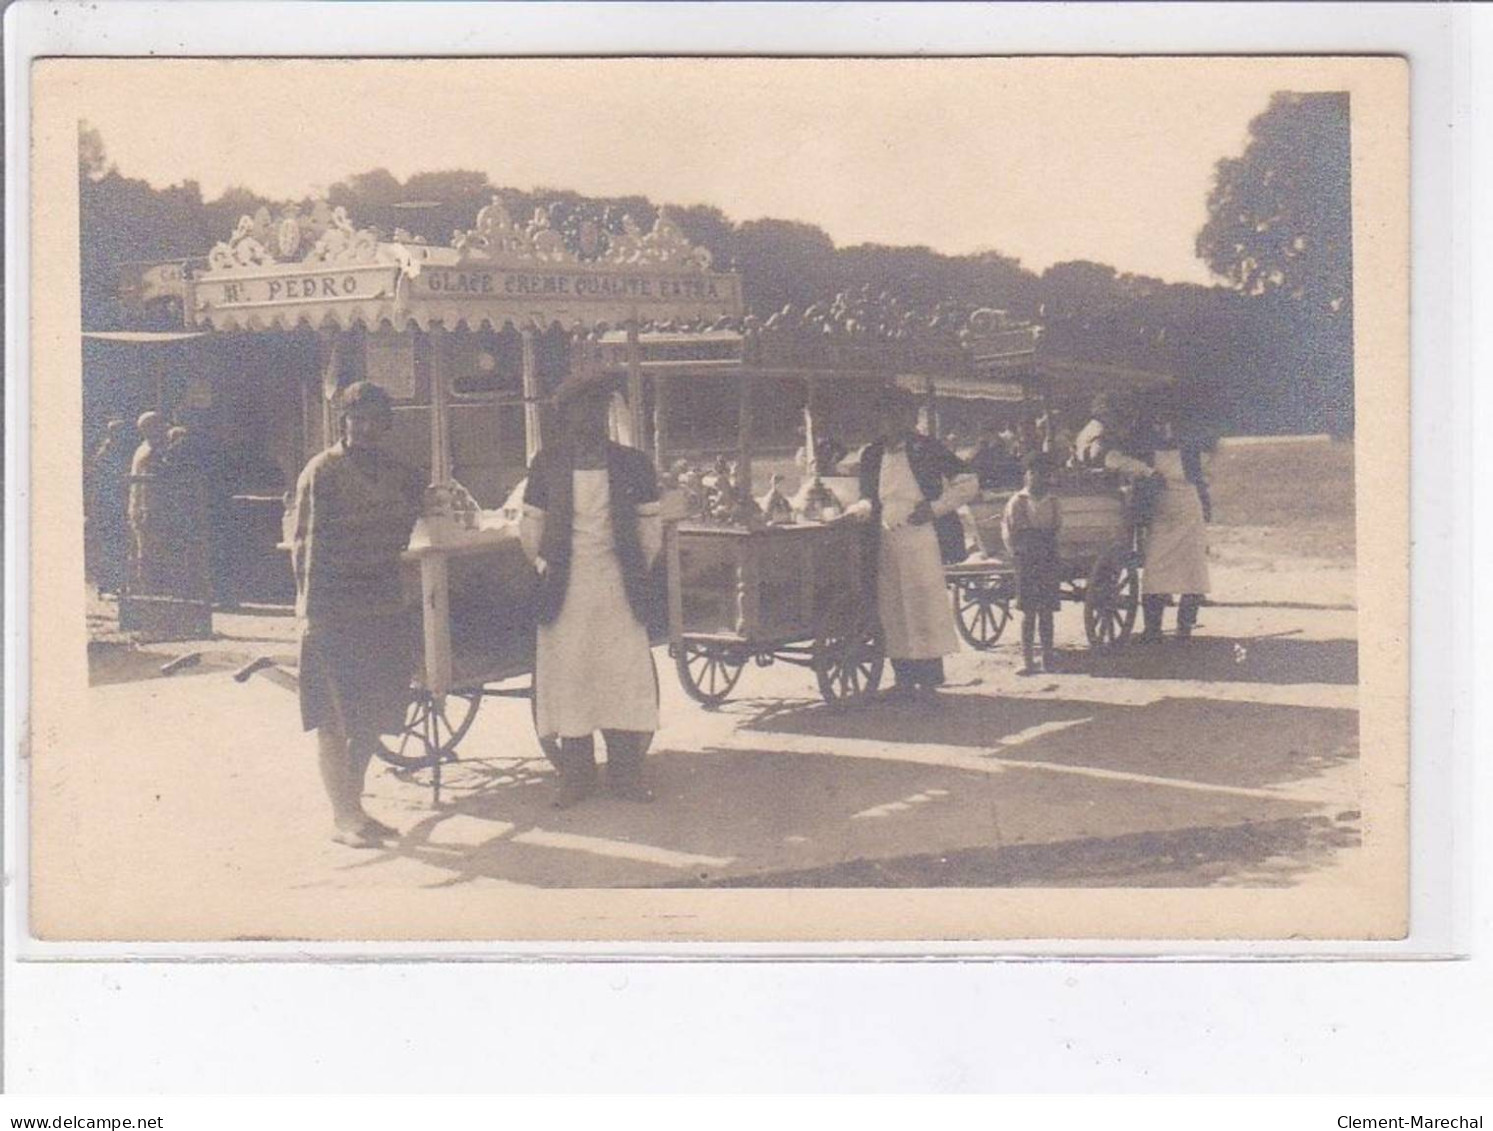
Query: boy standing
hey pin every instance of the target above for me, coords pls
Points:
(1031, 531)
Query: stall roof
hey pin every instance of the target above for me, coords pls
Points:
(318, 270)
(965, 388)
(143, 337)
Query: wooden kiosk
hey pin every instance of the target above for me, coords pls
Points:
(318, 271)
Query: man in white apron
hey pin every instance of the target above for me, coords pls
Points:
(1176, 546)
(911, 488)
(592, 528)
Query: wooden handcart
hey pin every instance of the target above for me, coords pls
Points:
(1099, 552)
(796, 594)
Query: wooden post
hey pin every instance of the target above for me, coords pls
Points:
(635, 385)
(304, 455)
(158, 377)
(331, 425)
(660, 410)
(811, 467)
(533, 409)
(435, 597)
(440, 455)
(744, 434)
(931, 393)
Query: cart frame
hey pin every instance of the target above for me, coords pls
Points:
(1103, 574)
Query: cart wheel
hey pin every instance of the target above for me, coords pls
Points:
(431, 732)
(707, 672)
(848, 655)
(981, 611)
(1110, 599)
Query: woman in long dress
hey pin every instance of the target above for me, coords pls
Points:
(355, 507)
(591, 527)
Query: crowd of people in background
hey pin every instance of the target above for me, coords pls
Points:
(144, 513)
(158, 516)
(1158, 457)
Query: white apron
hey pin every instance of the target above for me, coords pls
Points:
(916, 617)
(593, 669)
(1177, 542)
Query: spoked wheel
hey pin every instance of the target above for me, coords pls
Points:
(981, 610)
(848, 655)
(708, 672)
(1111, 599)
(431, 731)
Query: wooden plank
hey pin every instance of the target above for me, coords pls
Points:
(533, 410)
(675, 582)
(748, 589)
(440, 457)
(435, 606)
(744, 434)
(635, 386)
(660, 411)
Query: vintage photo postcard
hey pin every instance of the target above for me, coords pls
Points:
(718, 500)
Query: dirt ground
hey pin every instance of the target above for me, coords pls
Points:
(1227, 762)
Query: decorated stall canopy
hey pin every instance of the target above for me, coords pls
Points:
(315, 268)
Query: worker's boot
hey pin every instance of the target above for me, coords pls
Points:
(625, 753)
(577, 762)
(1187, 615)
(1028, 644)
(1153, 606)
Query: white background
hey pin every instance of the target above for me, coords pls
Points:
(1020, 1026)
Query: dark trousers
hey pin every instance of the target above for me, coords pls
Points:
(1153, 606)
(625, 752)
(918, 673)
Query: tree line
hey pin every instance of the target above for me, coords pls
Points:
(1268, 349)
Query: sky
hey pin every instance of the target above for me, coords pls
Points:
(1045, 160)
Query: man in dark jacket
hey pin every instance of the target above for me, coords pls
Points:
(911, 489)
(592, 528)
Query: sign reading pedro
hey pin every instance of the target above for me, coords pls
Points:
(492, 283)
(283, 288)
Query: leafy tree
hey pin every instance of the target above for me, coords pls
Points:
(783, 263)
(707, 226)
(1280, 229)
(92, 161)
(1279, 216)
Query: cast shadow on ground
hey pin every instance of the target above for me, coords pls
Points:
(996, 816)
(1247, 744)
(1254, 854)
(717, 812)
(1223, 660)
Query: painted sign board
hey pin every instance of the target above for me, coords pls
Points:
(252, 290)
(572, 284)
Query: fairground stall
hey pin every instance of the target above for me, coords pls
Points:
(469, 340)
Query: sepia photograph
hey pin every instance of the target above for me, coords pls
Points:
(720, 499)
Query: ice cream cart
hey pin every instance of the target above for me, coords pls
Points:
(315, 269)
